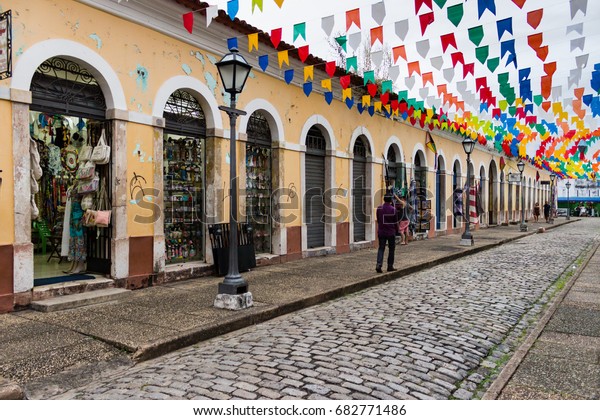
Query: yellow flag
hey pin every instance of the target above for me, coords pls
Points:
(258, 3)
(377, 106)
(252, 42)
(388, 108)
(346, 93)
(556, 108)
(279, 3)
(366, 100)
(283, 57)
(326, 84)
(518, 101)
(309, 72)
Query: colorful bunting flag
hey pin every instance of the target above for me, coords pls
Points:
(303, 53)
(426, 20)
(282, 57)
(378, 12)
(483, 5)
(352, 17)
(188, 21)
(330, 67)
(326, 84)
(377, 35)
(300, 30)
(534, 18)
(275, 37)
(288, 75)
(257, 3)
(309, 72)
(455, 14)
(233, 8)
(327, 24)
(263, 62)
(448, 40)
(252, 42)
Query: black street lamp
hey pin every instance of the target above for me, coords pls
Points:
(552, 178)
(466, 238)
(568, 185)
(233, 291)
(523, 226)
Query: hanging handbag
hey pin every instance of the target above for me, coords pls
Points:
(86, 171)
(89, 218)
(85, 153)
(87, 202)
(101, 152)
(103, 213)
(88, 186)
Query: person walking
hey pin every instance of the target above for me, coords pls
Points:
(387, 225)
(536, 212)
(404, 221)
(547, 212)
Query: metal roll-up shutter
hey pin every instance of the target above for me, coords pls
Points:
(314, 207)
(359, 173)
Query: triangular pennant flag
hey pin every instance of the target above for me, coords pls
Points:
(279, 3)
(252, 42)
(427, 78)
(211, 13)
(535, 17)
(352, 17)
(258, 3)
(330, 68)
(468, 69)
(482, 53)
(519, 3)
(449, 74)
(232, 43)
(326, 84)
(483, 5)
(504, 25)
(188, 21)
(307, 87)
(448, 40)
(577, 5)
(233, 8)
(377, 35)
(401, 28)
(385, 98)
(369, 77)
(423, 47)
(303, 53)
(263, 62)
(378, 12)
(366, 100)
(437, 62)
(440, 3)
(300, 30)
(354, 40)
(372, 88)
(455, 14)
(457, 57)
(309, 72)
(345, 82)
(535, 40)
(282, 57)
(351, 62)
(394, 73)
(371, 110)
(399, 51)
(341, 40)
(288, 75)
(550, 68)
(346, 93)
(275, 37)
(377, 58)
(360, 107)
(542, 52)
(493, 63)
(327, 24)
(476, 34)
(329, 97)
(426, 20)
(377, 107)
(414, 67)
(349, 103)
(410, 81)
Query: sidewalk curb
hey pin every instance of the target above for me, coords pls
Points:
(194, 336)
(10, 390)
(515, 361)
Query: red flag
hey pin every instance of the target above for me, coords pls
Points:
(448, 40)
(457, 57)
(188, 21)
(502, 163)
(537, 176)
(330, 68)
(535, 17)
(425, 21)
(372, 88)
(542, 52)
(419, 3)
(275, 37)
(345, 81)
(303, 53)
(468, 68)
(519, 3)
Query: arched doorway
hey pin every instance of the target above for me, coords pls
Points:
(314, 205)
(481, 193)
(68, 112)
(420, 191)
(184, 144)
(396, 170)
(502, 217)
(458, 205)
(493, 194)
(359, 184)
(440, 194)
(259, 181)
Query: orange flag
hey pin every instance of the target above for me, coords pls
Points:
(428, 78)
(352, 16)
(550, 68)
(535, 17)
(535, 40)
(399, 52)
(414, 68)
(546, 86)
(377, 34)
(542, 52)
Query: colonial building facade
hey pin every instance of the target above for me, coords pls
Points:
(311, 174)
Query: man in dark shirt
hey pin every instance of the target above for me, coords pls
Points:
(387, 225)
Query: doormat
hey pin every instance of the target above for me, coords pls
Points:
(60, 279)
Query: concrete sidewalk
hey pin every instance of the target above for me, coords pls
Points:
(60, 350)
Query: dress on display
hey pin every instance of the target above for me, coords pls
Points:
(77, 248)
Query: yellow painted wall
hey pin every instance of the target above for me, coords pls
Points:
(7, 220)
(140, 151)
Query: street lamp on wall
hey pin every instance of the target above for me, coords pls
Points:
(523, 225)
(568, 185)
(233, 291)
(552, 178)
(467, 238)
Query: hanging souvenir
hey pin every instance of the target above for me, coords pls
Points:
(70, 158)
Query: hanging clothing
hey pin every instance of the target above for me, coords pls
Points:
(66, 232)
(77, 248)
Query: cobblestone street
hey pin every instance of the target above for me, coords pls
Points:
(437, 334)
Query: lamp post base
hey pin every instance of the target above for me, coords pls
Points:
(234, 302)
(467, 240)
(523, 228)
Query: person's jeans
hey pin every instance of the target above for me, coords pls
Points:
(391, 241)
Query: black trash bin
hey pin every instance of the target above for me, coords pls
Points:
(219, 239)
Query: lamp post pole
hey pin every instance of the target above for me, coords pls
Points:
(233, 291)
(568, 185)
(523, 225)
(552, 178)
(467, 238)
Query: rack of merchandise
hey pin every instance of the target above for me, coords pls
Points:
(183, 199)
(258, 195)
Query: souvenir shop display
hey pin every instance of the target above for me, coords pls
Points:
(258, 195)
(183, 180)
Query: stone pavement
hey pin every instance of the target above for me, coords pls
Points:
(440, 333)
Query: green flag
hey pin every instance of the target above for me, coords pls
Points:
(538, 99)
(482, 53)
(455, 13)
(369, 76)
(386, 86)
(493, 64)
(341, 40)
(300, 30)
(440, 3)
(476, 34)
(351, 62)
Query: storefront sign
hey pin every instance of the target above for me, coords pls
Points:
(514, 178)
(5, 45)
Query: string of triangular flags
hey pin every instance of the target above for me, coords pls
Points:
(544, 128)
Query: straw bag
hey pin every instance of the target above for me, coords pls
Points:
(101, 152)
(85, 153)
